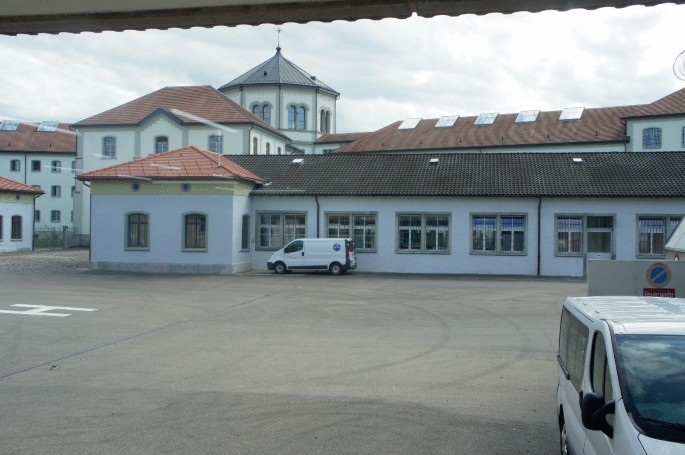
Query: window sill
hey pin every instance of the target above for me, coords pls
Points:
(421, 252)
(194, 250)
(497, 253)
(136, 249)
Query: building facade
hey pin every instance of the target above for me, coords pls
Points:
(17, 209)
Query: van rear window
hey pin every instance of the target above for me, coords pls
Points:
(573, 336)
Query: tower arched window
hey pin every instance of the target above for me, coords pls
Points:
(266, 114)
(322, 122)
(255, 146)
(291, 117)
(257, 110)
(328, 121)
(301, 118)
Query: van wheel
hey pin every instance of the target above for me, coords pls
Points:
(335, 269)
(563, 443)
(280, 268)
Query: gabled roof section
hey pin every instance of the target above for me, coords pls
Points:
(278, 70)
(597, 174)
(201, 101)
(185, 163)
(673, 104)
(330, 138)
(27, 138)
(595, 126)
(11, 186)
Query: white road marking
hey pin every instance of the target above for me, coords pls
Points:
(44, 310)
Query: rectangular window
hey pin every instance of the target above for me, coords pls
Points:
(651, 138)
(653, 232)
(137, 231)
(56, 166)
(498, 234)
(569, 235)
(361, 227)
(36, 216)
(275, 230)
(55, 216)
(35, 165)
(109, 147)
(216, 143)
(161, 144)
(56, 191)
(423, 233)
(16, 228)
(15, 165)
(245, 239)
(599, 234)
(73, 167)
(195, 232)
(0, 227)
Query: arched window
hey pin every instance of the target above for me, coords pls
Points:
(267, 114)
(322, 121)
(279, 150)
(291, 117)
(301, 120)
(109, 147)
(161, 144)
(328, 121)
(268, 148)
(195, 231)
(255, 146)
(257, 110)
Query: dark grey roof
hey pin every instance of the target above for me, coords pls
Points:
(278, 70)
(619, 174)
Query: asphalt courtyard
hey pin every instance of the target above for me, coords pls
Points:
(267, 364)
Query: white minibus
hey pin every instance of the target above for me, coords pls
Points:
(332, 254)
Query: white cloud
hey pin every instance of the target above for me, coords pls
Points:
(385, 70)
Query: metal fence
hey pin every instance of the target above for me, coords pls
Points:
(55, 238)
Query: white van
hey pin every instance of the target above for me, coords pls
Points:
(622, 376)
(335, 255)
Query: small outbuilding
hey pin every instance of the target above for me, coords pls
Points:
(17, 208)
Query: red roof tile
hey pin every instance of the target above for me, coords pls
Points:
(27, 138)
(16, 187)
(200, 101)
(185, 163)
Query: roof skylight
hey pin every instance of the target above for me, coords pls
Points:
(527, 116)
(409, 124)
(9, 125)
(486, 118)
(571, 113)
(447, 121)
(48, 127)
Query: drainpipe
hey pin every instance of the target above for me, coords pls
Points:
(539, 233)
(318, 223)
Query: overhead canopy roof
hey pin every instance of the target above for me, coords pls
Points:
(40, 16)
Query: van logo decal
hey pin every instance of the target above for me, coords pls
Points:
(336, 247)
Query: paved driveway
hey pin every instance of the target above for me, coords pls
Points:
(266, 364)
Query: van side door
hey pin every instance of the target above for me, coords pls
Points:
(293, 254)
(573, 342)
(599, 382)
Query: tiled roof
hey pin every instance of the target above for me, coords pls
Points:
(27, 138)
(200, 101)
(12, 186)
(339, 138)
(186, 163)
(595, 126)
(278, 70)
(599, 174)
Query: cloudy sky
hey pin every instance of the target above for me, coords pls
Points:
(385, 70)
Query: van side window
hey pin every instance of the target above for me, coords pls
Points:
(601, 380)
(294, 247)
(573, 336)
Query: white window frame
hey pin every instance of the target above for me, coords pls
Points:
(670, 222)
(652, 138)
(109, 147)
(280, 232)
(494, 244)
(55, 191)
(365, 241)
(56, 166)
(55, 216)
(15, 165)
(127, 230)
(205, 241)
(423, 229)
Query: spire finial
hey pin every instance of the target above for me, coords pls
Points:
(278, 48)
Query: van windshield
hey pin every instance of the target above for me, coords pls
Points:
(652, 371)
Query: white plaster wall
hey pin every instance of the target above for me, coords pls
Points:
(671, 133)
(160, 125)
(166, 228)
(242, 205)
(7, 211)
(234, 141)
(460, 260)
